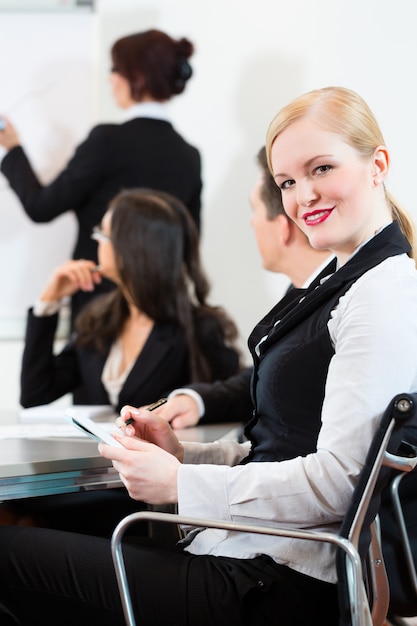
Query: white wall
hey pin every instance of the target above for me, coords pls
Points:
(251, 58)
(49, 97)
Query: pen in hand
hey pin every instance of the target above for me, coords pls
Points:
(151, 407)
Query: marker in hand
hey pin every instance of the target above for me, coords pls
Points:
(151, 407)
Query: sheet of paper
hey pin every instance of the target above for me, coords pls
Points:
(49, 430)
(47, 413)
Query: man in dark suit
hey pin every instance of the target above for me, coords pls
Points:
(284, 249)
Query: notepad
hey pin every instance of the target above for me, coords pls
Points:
(89, 428)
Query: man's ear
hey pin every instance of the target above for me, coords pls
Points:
(283, 228)
(380, 164)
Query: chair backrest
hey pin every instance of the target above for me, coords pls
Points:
(398, 521)
(366, 499)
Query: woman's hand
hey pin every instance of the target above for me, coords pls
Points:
(148, 472)
(150, 426)
(8, 136)
(148, 464)
(70, 277)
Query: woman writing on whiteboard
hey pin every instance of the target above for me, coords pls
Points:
(148, 69)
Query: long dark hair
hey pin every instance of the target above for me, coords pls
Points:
(156, 247)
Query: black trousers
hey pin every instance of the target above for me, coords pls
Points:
(52, 577)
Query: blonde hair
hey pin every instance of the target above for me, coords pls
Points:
(344, 112)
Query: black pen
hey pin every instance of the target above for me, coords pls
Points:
(151, 407)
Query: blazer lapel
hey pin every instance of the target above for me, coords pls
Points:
(152, 355)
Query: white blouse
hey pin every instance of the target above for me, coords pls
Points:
(373, 330)
(110, 377)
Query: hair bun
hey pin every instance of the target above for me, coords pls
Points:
(184, 69)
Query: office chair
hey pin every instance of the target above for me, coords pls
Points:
(359, 606)
(399, 544)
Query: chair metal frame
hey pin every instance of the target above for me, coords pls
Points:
(394, 490)
(396, 502)
(376, 579)
(401, 407)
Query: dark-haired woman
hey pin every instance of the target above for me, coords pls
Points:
(153, 333)
(148, 69)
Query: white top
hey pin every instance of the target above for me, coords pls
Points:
(111, 377)
(154, 110)
(374, 333)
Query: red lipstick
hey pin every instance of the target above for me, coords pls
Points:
(316, 217)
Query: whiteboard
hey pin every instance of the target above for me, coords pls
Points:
(47, 80)
(46, 5)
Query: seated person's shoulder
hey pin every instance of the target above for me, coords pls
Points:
(217, 335)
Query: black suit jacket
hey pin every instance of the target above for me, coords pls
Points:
(231, 400)
(227, 400)
(161, 366)
(142, 152)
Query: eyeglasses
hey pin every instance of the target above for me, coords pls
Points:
(99, 235)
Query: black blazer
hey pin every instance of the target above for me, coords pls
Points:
(161, 366)
(142, 152)
(227, 400)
